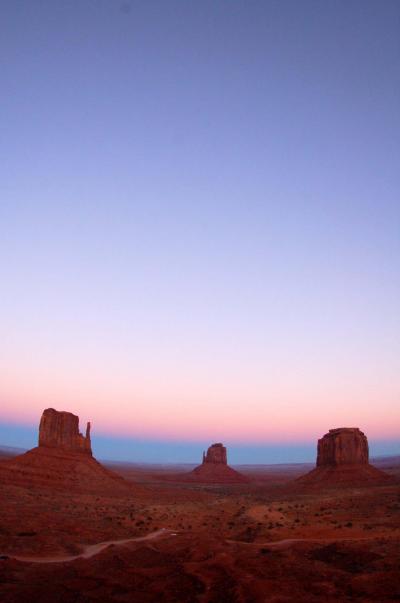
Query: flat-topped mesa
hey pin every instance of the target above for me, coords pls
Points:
(216, 454)
(63, 460)
(343, 460)
(343, 446)
(215, 469)
(60, 429)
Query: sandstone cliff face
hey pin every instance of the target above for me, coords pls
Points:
(343, 446)
(63, 461)
(215, 469)
(343, 460)
(60, 429)
(216, 454)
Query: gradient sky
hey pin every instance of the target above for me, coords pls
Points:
(200, 223)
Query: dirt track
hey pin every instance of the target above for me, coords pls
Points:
(92, 549)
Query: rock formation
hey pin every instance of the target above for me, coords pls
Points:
(63, 460)
(215, 469)
(343, 458)
(343, 446)
(216, 453)
(60, 429)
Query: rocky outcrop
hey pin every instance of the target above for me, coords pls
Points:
(343, 459)
(60, 429)
(216, 454)
(343, 446)
(215, 469)
(63, 461)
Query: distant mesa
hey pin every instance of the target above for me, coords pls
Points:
(60, 429)
(343, 446)
(63, 459)
(215, 468)
(343, 457)
(216, 454)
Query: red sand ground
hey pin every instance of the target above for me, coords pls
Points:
(331, 544)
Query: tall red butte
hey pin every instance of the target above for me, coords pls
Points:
(60, 429)
(215, 468)
(63, 459)
(343, 458)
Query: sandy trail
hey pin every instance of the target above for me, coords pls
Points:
(92, 549)
(287, 542)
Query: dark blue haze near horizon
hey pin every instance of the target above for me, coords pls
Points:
(148, 451)
(199, 223)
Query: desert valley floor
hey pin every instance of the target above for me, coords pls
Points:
(269, 540)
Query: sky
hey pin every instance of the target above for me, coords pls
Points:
(199, 223)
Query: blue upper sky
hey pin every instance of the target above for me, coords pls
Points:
(199, 212)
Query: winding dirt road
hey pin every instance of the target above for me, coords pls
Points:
(287, 542)
(92, 549)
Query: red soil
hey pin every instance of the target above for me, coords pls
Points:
(329, 544)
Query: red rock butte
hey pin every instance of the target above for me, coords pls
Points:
(343, 458)
(215, 468)
(343, 446)
(63, 459)
(216, 453)
(60, 429)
